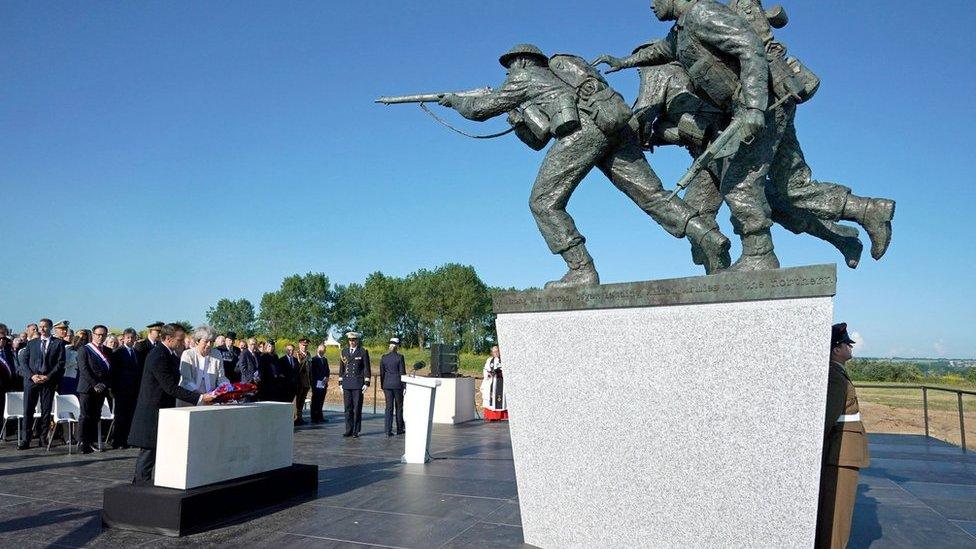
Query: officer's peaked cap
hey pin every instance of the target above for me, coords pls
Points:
(523, 49)
(838, 335)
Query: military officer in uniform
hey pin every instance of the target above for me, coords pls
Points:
(304, 384)
(592, 127)
(845, 447)
(143, 346)
(354, 376)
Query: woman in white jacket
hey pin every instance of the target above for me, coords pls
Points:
(201, 367)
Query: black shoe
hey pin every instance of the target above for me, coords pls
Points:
(355, 435)
(347, 434)
(300, 422)
(86, 449)
(23, 446)
(389, 434)
(401, 432)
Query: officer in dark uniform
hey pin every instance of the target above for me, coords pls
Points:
(354, 375)
(392, 369)
(845, 448)
(143, 346)
(592, 126)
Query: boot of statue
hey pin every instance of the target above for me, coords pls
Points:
(709, 247)
(757, 253)
(843, 237)
(875, 215)
(581, 270)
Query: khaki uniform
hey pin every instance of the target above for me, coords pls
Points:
(845, 452)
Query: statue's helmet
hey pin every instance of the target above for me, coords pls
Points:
(527, 50)
(665, 10)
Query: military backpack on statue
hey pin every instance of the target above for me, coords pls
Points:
(788, 77)
(595, 97)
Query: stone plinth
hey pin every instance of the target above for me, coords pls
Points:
(454, 402)
(702, 425)
(202, 445)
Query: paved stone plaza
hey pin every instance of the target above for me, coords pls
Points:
(917, 493)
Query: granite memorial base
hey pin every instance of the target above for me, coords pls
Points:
(172, 512)
(704, 402)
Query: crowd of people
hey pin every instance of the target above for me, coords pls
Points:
(47, 359)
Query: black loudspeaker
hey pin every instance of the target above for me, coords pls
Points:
(443, 360)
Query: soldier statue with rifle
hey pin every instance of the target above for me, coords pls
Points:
(708, 42)
(566, 99)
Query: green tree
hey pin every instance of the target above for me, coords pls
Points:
(301, 307)
(387, 309)
(451, 305)
(237, 316)
(187, 327)
(349, 308)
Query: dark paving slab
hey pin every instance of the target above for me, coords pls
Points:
(918, 492)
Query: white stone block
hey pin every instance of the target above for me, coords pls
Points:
(454, 402)
(691, 425)
(202, 445)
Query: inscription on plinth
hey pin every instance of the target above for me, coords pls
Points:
(796, 282)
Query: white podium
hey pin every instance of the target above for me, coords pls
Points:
(202, 445)
(418, 414)
(455, 400)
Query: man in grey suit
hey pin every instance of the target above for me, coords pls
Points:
(41, 367)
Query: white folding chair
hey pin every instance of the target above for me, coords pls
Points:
(107, 415)
(13, 409)
(67, 409)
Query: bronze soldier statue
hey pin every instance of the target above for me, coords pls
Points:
(670, 113)
(567, 99)
(709, 41)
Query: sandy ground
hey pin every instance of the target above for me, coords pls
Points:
(944, 425)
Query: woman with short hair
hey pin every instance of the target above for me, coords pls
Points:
(201, 366)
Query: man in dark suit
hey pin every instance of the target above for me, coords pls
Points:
(8, 367)
(392, 368)
(42, 367)
(160, 388)
(94, 381)
(143, 346)
(302, 378)
(126, 377)
(247, 363)
(230, 354)
(319, 373)
(354, 373)
(268, 386)
(287, 379)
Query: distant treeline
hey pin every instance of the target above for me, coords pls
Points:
(902, 371)
(449, 304)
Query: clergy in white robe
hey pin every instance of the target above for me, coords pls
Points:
(492, 386)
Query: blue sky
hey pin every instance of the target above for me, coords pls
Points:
(156, 156)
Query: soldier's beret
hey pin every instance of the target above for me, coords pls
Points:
(352, 335)
(154, 325)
